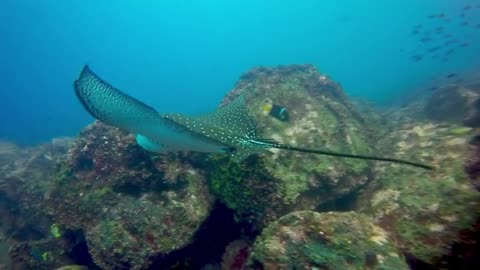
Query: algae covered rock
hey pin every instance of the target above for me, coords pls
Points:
(456, 104)
(26, 175)
(132, 205)
(311, 240)
(424, 210)
(235, 255)
(319, 116)
(25, 224)
(44, 254)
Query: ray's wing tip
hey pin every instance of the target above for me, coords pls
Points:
(86, 71)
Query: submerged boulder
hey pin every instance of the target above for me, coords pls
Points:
(44, 254)
(310, 240)
(319, 116)
(26, 175)
(456, 104)
(424, 210)
(132, 205)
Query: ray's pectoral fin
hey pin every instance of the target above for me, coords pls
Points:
(149, 144)
(112, 106)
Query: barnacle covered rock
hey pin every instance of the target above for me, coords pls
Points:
(132, 205)
(320, 116)
(424, 210)
(310, 240)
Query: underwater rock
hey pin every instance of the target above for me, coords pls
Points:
(9, 152)
(25, 181)
(5, 260)
(454, 104)
(132, 205)
(236, 255)
(26, 178)
(473, 162)
(311, 240)
(320, 116)
(424, 210)
(72, 267)
(45, 254)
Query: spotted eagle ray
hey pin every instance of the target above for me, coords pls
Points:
(229, 129)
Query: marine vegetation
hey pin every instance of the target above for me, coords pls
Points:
(310, 240)
(128, 194)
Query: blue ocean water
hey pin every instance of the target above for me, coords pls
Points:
(183, 56)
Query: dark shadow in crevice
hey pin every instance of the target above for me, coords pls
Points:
(78, 252)
(209, 242)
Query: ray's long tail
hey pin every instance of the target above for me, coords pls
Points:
(343, 155)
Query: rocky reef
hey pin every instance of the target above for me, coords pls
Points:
(131, 205)
(456, 104)
(103, 202)
(311, 240)
(319, 115)
(26, 175)
(424, 210)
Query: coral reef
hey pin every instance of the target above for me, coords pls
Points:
(41, 254)
(320, 117)
(109, 204)
(310, 240)
(455, 103)
(236, 255)
(131, 205)
(473, 163)
(24, 185)
(424, 210)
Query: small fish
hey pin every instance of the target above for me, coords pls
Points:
(451, 75)
(447, 35)
(276, 111)
(39, 255)
(477, 26)
(425, 39)
(450, 42)
(462, 15)
(414, 33)
(449, 52)
(230, 129)
(417, 57)
(464, 23)
(434, 49)
(55, 231)
(444, 60)
(418, 26)
(465, 44)
(439, 29)
(441, 15)
(432, 16)
(467, 7)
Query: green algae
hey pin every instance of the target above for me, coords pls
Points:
(246, 188)
(424, 210)
(325, 241)
(461, 130)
